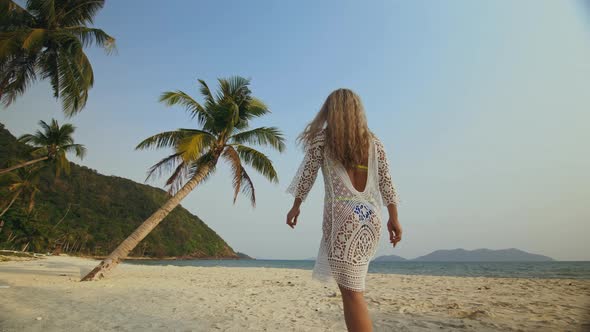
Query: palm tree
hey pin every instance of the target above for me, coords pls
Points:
(47, 39)
(22, 183)
(223, 122)
(53, 143)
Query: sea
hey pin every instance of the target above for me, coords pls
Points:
(550, 269)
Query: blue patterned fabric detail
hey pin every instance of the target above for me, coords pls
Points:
(363, 212)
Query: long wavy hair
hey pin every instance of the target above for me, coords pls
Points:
(345, 123)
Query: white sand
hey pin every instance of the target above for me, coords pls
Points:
(45, 295)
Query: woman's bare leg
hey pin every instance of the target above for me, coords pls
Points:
(356, 313)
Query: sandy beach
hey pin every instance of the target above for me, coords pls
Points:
(45, 295)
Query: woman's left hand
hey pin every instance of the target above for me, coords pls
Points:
(395, 231)
(292, 216)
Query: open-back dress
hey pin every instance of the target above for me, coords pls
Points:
(352, 219)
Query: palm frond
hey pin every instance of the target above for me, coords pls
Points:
(49, 69)
(11, 43)
(80, 12)
(93, 36)
(271, 136)
(248, 187)
(222, 92)
(206, 159)
(17, 72)
(224, 117)
(46, 127)
(259, 161)
(193, 144)
(39, 152)
(238, 86)
(66, 130)
(234, 88)
(164, 165)
(206, 92)
(34, 40)
(232, 156)
(241, 180)
(256, 108)
(85, 68)
(75, 78)
(43, 138)
(27, 138)
(177, 179)
(44, 11)
(172, 98)
(161, 140)
(79, 149)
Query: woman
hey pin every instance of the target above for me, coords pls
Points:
(356, 177)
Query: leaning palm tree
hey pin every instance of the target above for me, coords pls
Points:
(47, 39)
(22, 183)
(51, 144)
(223, 122)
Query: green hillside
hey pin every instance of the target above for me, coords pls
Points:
(90, 214)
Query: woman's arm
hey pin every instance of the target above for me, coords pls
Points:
(389, 195)
(305, 178)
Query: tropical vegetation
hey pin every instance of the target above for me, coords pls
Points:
(87, 213)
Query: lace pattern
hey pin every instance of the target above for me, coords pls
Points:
(388, 191)
(351, 219)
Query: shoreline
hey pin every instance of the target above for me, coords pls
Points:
(173, 258)
(45, 295)
(261, 263)
(16, 254)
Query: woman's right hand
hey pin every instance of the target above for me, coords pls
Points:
(292, 216)
(395, 231)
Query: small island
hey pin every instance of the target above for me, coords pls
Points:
(389, 258)
(477, 255)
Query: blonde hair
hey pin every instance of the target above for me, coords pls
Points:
(345, 123)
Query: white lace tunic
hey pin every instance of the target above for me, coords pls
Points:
(352, 219)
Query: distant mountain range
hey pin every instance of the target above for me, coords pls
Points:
(477, 255)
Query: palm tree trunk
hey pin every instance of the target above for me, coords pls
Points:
(68, 210)
(11, 202)
(27, 163)
(72, 248)
(83, 245)
(144, 229)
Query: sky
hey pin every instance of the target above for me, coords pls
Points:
(483, 107)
